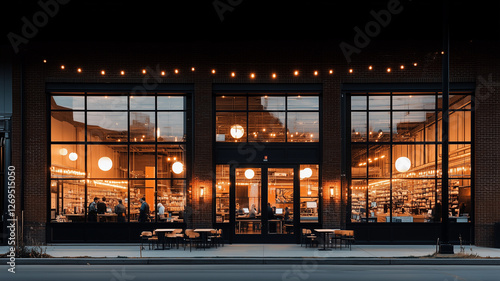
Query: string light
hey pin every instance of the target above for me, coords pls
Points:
(370, 67)
(213, 71)
(192, 69)
(176, 71)
(122, 72)
(103, 72)
(296, 73)
(273, 75)
(388, 69)
(402, 67)
(163, 73)
(252, 75)
(44, 61)
(144, 71)
(330, 71)
(63, 67)
(351, 70)
(79, 70)
(315, 73)
(233, 74)
(415, 64)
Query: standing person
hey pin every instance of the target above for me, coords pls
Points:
(161, 210)
(93, 210)
(270, 211)
(101, 206)
(253, 211)
(144, 210)
(286, 217)
(120, 211)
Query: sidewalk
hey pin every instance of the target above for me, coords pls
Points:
(261, 253)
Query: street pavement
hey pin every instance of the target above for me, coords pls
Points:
(309, 271)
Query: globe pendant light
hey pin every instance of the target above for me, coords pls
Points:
(403, 164)
(105, 164)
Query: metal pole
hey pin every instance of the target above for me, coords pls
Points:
(445, 246)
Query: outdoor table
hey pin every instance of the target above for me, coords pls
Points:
(161, 235)
(326, 234)
(204, 234)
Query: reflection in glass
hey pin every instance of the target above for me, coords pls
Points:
(142, 126)
(380, 126)
(409, 125)
(266, 103)
(303, 126)
(301, 102)
(358, 102)
(409, 102)
(142, 103)
(358, 126)
(171, 127)
(266, 126)
(107, 102)
(67, 103)
(107, 126)
(67, 126)
(171, 102)
(376, 102)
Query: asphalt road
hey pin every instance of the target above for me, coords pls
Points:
(251, 272)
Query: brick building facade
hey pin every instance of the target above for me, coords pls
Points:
(414, 64)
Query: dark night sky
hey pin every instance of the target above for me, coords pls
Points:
(147, 21)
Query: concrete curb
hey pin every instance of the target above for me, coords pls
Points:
(246, 260)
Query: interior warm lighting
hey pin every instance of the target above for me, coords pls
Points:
(403, 164)
(73, 156)
(351, 70)
(105, 164)
(103, 72)
(177, 167)
(79, 70)
(370, 67)
(331, 191)
(122, 72)
(237, 131)
(63, 151)
(202, 191)
(233, 74)
(388, 69)
(306, 173)
(249, 174)
(296, 73)
(144, 71)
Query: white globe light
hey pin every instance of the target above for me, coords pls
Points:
(105, 164)
(177, 167)
(403, 164)
(237, 131)
(63, 151)
(306, 173)
(249, 174)
(73, 156)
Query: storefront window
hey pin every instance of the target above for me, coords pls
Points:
(222, 186)
(267, 118)
(395, 172)
(118, 147)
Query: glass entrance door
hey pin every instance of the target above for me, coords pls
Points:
(264, 203)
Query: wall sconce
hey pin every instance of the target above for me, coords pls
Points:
(332, 191)
(202, 191)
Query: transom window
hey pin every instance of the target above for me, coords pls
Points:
(267, 117)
